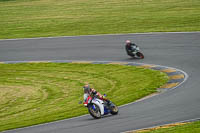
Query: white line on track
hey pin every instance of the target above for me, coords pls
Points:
(148, 33)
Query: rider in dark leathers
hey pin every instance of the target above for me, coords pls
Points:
(130, 47)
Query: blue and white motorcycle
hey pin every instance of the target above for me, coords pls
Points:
(98, 108)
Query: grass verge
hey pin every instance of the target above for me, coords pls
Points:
(33, 93)
(44, 18)
(193, 127)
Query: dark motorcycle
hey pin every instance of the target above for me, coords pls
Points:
(135, 52)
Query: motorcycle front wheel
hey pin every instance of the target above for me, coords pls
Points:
(94, 111)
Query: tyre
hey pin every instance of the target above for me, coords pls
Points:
(94, 111)
(114, 110)
(140, 55)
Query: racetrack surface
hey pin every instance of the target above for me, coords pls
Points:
(179, 50)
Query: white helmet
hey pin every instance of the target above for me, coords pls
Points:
(128, 41)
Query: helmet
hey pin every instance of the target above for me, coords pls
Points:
(86, 88)
(128, 41)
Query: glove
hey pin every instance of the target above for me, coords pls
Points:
(94, 92)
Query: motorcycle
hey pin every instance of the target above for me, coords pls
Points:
(98, 108)
(136, 53)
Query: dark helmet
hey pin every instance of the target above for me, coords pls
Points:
(86, 88)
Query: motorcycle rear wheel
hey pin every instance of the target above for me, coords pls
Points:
(114, 110)
(140, 55)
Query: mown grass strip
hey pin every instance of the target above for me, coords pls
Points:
(45, 18)
(33, 93)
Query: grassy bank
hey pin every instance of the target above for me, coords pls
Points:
(193, 127)
(43, 92)
(42, 18)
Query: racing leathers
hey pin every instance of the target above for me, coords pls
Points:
(130, 48)
(92, 92)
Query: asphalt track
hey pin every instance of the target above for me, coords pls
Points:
(179, 50)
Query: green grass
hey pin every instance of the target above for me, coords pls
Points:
(43, 18)
(193, 127)
(36, 93)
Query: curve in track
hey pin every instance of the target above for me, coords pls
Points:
(179, 50)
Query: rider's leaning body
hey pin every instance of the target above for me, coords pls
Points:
(91, 91)
(130, 47)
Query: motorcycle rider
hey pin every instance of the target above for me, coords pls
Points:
(91, 91)
(130, 47)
